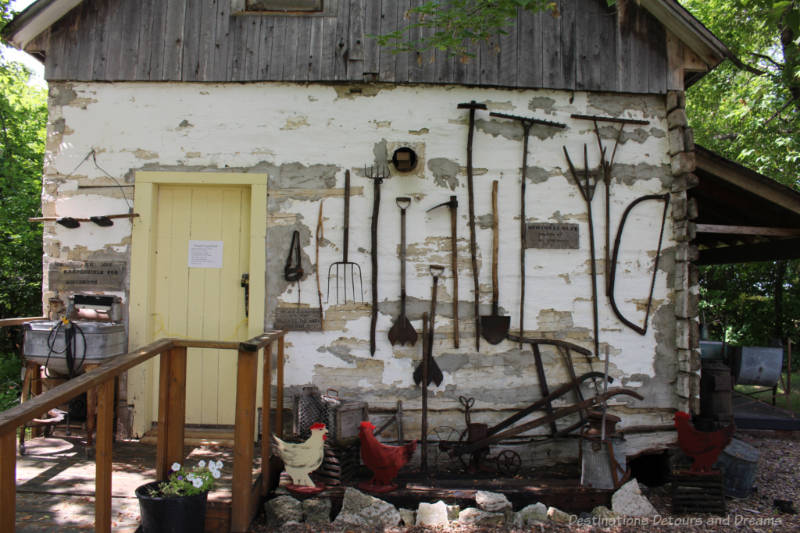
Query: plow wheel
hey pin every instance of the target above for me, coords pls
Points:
(508, 463)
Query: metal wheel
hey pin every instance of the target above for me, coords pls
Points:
(508, 462)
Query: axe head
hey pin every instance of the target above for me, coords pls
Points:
(452, 204)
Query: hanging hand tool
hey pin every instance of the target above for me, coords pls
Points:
(453, 205)
(318, 236)
(472, 106)
(526, 123)
(423, 438)
(586, 189)
(402, 331)
(607, 167)
(345, 265)
(430, 371)
(494, 327)
(377, 175)
(641, 330)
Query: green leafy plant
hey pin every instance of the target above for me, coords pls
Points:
(184, 482)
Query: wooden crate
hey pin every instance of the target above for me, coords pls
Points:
(698, 492)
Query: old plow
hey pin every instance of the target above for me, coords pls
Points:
(472, 448)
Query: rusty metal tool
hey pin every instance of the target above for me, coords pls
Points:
(641, 330)
(345, 265)
(472, 106)
(377, 175)
(587, 188)
(494, 327)
(318, 236)
(453, 206)
(402, 331)
(526, 123)
(607, 167)
(423, 438)
(428, 370)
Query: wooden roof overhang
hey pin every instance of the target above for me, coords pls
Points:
(743, 216)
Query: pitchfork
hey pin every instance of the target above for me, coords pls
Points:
(345, 265)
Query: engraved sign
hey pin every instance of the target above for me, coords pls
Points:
(552, 236)
(89, 275)
(298, 319)
(205, 254)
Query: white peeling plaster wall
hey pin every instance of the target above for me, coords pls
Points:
(280, 127)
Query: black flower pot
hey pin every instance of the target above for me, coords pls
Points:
(172, 514)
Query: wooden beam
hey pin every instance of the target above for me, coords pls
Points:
(748, 230)
(103, 455)
(765, 251)
(5, 322)
(8, 480)
(171, 410)
(266, 429)
(279, 399)
(243, 447)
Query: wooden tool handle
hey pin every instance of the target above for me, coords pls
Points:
(346, 243)
(495, 246)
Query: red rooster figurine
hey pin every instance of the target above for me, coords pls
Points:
(702, 446)
(383, 460)
(302, 458)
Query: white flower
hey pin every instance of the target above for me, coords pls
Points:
(219, 464)
(190, 477)
(216, 474)
(201, 464)
(197, 483)
(176, 467)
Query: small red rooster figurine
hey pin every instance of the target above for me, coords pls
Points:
(302, 458)
(383, 460)
(702, 446)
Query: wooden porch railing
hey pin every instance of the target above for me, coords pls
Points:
(171, 421)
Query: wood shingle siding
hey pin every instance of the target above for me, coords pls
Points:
(583, 48)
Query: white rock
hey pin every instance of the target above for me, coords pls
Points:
(629, 501)
(477, 517)
(317, 511)
(283, 509)
(530, 514)
(363, 511)
(452, 512)
(408, 517)
(492, 502)
(557, 515)
(432, 514)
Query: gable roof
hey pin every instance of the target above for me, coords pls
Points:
(43, 14)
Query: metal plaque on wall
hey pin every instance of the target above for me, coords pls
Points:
(298, 319)
(88, 275)
(552, 236)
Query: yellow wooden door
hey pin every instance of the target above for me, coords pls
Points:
(202, 248)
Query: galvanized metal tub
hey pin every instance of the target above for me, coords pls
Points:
(739, 464)
(45, 343)
(757, 365)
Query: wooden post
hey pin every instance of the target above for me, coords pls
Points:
(243, 447)
(789, 375)
(8, 487)
(171, 410)
(266, 428)
(91, 409)
(104, 443)
(279, 398)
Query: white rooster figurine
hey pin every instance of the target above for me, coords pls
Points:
(302, 458)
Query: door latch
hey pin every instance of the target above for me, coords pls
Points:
(246, 284)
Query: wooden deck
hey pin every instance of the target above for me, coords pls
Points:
(56, 484)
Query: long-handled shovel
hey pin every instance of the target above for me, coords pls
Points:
(494, 327)
(430, 371)
(402, 331)
(472, 106)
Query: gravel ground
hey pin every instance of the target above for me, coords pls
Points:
(778, 477)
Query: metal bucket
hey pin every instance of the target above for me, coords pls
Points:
(757, 365)
(739, 464)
